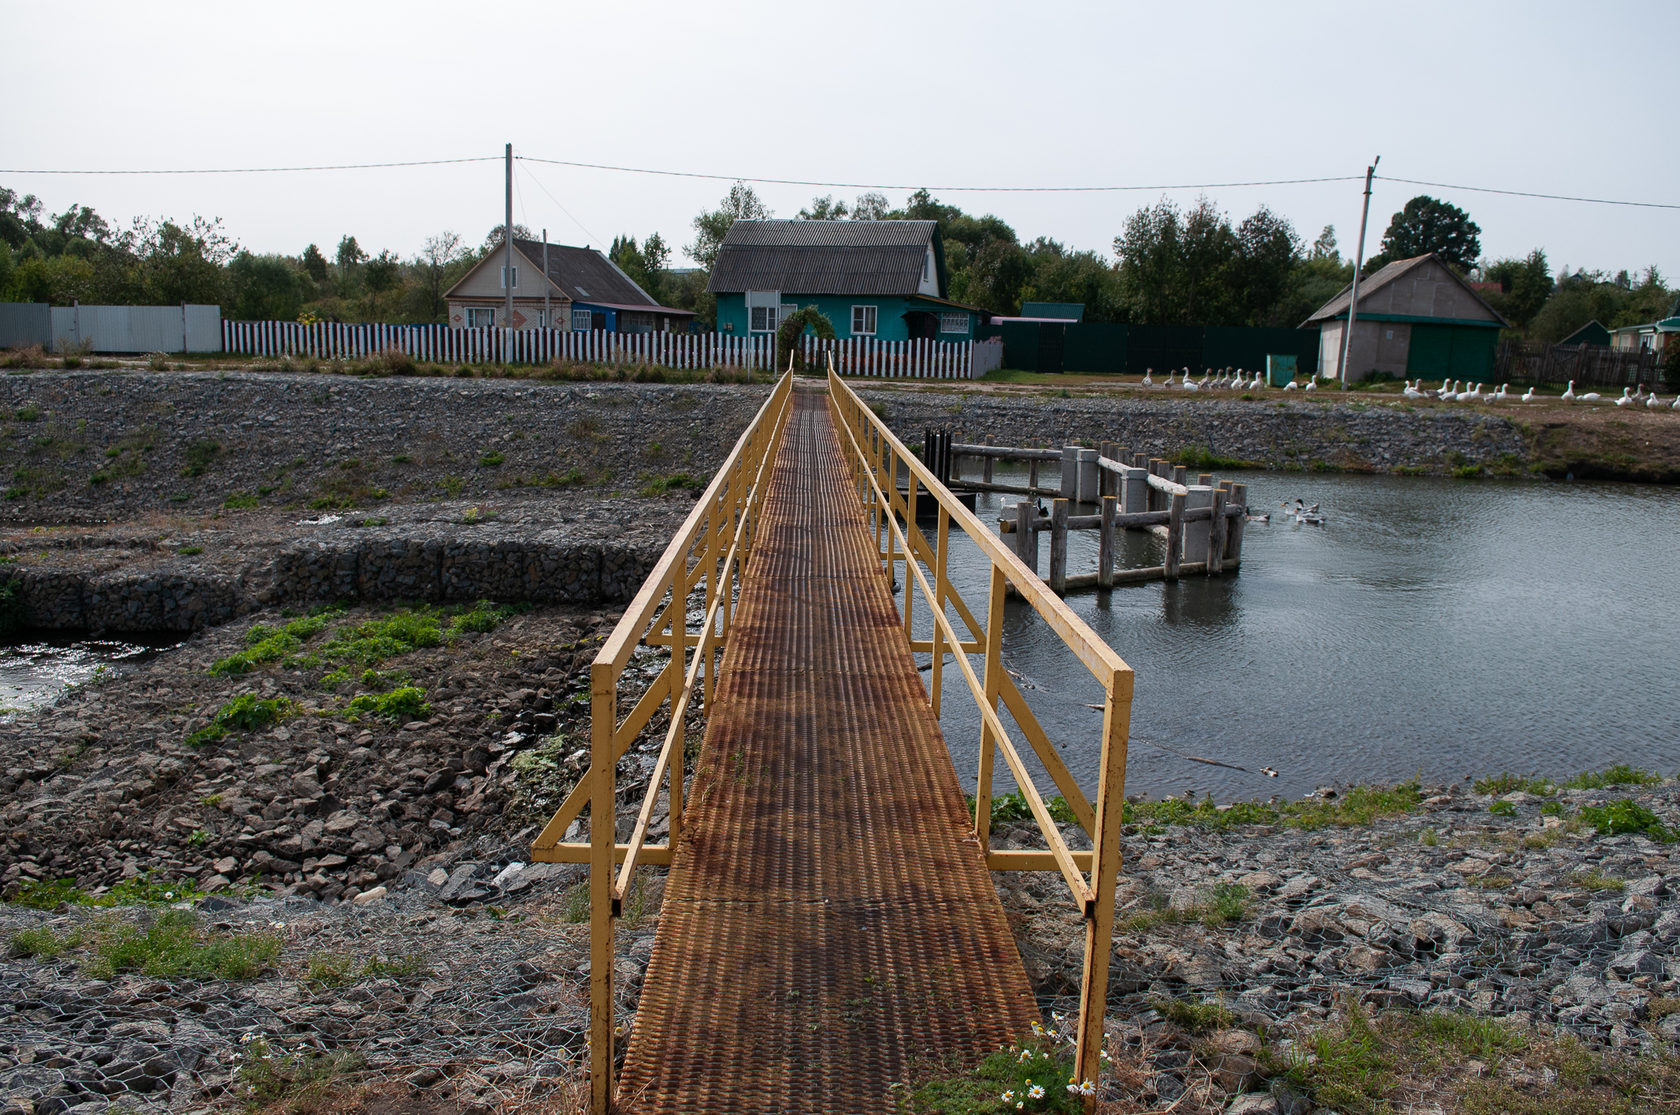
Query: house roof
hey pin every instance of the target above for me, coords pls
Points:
(1338, 306)
(581, 274)
(823, 257)
(585, 274)
(1592, 333)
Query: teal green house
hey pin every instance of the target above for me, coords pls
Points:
(883, 280)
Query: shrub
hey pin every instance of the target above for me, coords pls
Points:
(405, 703)
(245, 713)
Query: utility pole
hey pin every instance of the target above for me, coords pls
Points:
(507, 240)
(548, 313)
(1358, 262)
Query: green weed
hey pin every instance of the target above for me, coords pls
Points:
(405, 703)
(1616, 817)
(245, 713)
(1619, 775)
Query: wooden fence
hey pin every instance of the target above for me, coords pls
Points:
(865, 356)
(333, 340)
(1588, 365)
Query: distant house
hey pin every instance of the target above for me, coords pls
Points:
(1416, 317)
(878, 279)
(584, 290)
(1592, 334)
(1653, 336)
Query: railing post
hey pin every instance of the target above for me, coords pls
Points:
(941, 539)
(1105, 871)
(1216, 536)
(993, 686)
(603, 835)
(909, 540)
(1233, 543)
(1070, 471)
(1196, 534)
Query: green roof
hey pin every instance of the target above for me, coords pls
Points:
(1070, 311)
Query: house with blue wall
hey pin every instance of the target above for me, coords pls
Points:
(883, 280)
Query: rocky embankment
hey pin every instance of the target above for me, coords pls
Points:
(1276, 433)
(459, 984)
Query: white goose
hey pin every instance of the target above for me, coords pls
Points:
(1651, 401)
(1448, 389)
(1675, 405)
(1591, 397)
(1312, 384)
(1464, 396)
(1569, 392)
(1290, 386)
(1528, 396)
(1412, 392)
(1627, 397)
(1148, 380)
(1189, 384)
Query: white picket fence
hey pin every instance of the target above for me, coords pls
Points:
(480, 345)
(853, 356)
(865, 356)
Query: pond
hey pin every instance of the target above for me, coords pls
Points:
(37, 672)
(1430, 627)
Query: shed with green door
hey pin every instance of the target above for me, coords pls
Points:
(1417, 318)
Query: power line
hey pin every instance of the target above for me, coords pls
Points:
(272, 169)
(592, 237)
(939, 189)
(1526, 193)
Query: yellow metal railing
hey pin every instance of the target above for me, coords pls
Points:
(709, 552)
(878, 459)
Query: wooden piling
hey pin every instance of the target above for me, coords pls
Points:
(1058, 546)
(1217, 535)
(986, 471)
(1175, 536)
(1197, 532)
(1026, 533)
(1233, 541)
(1108, 482)
(1105, 544)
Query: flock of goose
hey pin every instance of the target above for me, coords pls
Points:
(1453, 391)
(1224, 381)
(1450, 391)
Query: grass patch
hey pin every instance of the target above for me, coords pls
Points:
(568, 479)
(1616, 817)
(245, 713)
(1592, 879)
(1013, 807)
(200, 455)
(1196, 1017)
(1619, 775)
(677, 481)
(1204, 458)
(174, 945)
(1359, 805)
(492, 459)
(1031, 1076)
(406, 702)
(265, 644)
(270, 1079)
(1508, 783)
(1221, 905)
(339, 969)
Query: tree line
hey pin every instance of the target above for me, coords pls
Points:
(1170, 265)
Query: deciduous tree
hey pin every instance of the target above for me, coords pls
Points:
(1426, 224)
(710, 227)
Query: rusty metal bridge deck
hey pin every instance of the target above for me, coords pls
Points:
(829, 921)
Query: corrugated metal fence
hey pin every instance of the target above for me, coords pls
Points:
(184, 328)
(332, 340)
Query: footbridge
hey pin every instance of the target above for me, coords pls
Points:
(829, 924)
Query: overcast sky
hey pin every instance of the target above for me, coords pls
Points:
(1548, 97)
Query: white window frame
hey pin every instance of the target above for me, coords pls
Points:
(515, 278)
(476, 312)
(953, 322)
(869, 317)
(587, 318)
(761, 319)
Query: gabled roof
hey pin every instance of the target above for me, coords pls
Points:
(1592, 333)
(823, 257)
(585, 274)
(581, 274)
(1338, 306)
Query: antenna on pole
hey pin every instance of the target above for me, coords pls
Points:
(507, 241)
(1358, 262)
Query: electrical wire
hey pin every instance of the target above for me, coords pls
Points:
(593, 239)
(938, 189)
(1526, 193)
(273, 169)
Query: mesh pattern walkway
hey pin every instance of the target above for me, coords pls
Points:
(828, 924)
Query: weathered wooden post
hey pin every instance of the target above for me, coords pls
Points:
(1196, 533)
(1088, 473)
(1217, 535)
(1105, 545)
(1175, 536)
(1070, 471)
(1058, 546)
(986, 471)
(1233, 542)
(1180, 475)
(1026, 533)
(1108, 483)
